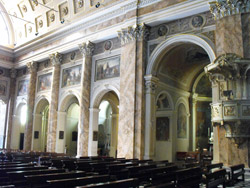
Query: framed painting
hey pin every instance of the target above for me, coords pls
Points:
(3, 87)
(36, 134)
(162, 128)
(44, 82)
(71, 76)
(22, 87)
(182, 122)
(74, 136)
(61, 134)
(107, 68)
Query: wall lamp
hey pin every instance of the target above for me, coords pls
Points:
(98, 5)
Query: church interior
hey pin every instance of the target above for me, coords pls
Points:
(149, 86)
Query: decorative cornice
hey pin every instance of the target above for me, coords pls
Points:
(13, 73)
(56, 59)
(223, 8)
(32, 66)
(136, 32)
(87, 48)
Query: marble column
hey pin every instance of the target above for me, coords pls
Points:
(151, 85)
(56, 60)
(13, 74)
(32, 68)
(83, 130)
(93, 121)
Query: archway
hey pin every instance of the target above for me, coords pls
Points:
(40, 126)
(68, 125)
(174, 66)
(71, 129)
(18, 129)
(104, 116)
(3, 109)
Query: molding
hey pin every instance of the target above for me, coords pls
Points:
(103, 34)
(174, 89)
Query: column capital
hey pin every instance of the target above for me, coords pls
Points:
(223, 8)
(87, 48)
(151, 83)
(13, 73)
(32, 66)
(56, 59)
(133, 33)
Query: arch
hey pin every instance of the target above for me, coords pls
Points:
(66, 100)
(100, 92)
(41, 103)
(169, 97)
(184, 101)
(8, 24)
(197, 81)
(171, 42)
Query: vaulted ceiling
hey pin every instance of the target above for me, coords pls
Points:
(30, 18)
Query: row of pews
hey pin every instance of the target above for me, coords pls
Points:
(107, 172)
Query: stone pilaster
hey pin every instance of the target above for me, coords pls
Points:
(151, 85)
(83, 131)
(13, 74)
(32, 68)
(127, 105)
(232, 26)
(56, 60)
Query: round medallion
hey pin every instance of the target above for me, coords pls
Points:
(108, 45)
(72, 56)
(80, 3)
(197, 21)
(40, 23)
(24, 8)
(162, 30)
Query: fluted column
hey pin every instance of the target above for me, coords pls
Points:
(32, 68)
(83, 129)
(56, 60)
(13, 74)
(151, 85)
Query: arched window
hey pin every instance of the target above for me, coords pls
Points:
(2, 122)
(5, 39)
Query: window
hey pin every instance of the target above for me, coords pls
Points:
(4, 31)
(23, 115)
(2, 122)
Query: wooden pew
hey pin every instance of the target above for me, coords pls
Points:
(211, 167)
(163, 178)
(165, 185)
(215, 178)
(41, 179)
(16, 165)
(189, 178)
(237, 171)
(3, 171)
(132, 182)
(72, 182)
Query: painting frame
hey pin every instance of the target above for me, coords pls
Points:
(107, 68)
(182, 126)
(36, 134)
(61, 135)
(44, 82)
(22, 88)
(71, 76)
(162, 129)
(3, 87)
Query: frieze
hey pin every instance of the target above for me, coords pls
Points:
(216, 112)
(188, 24)
(245, 110)
(229, 110)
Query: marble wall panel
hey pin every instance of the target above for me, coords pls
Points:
(140, 102)
(245, 20)
(228, 35)
(127, 101)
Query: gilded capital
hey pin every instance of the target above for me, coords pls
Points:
(56, 59)
(32, 66)
(136, 32)
(223, 8)
(13, 73)
(87, 48)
